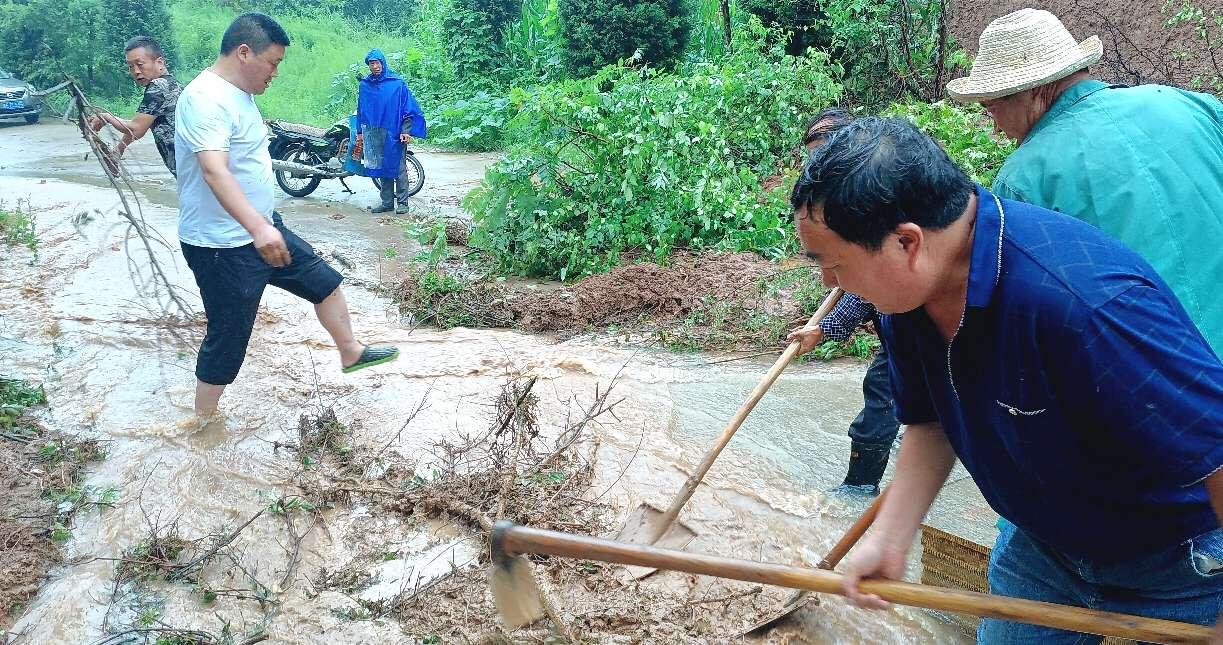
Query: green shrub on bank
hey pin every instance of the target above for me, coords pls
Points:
(964, 131)
(641, 161)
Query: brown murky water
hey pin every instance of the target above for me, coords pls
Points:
(72, 319)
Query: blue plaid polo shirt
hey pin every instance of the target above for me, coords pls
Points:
(1084, 402)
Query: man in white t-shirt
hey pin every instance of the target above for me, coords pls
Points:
(233, 240)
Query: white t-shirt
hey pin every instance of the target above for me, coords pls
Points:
(213, 114)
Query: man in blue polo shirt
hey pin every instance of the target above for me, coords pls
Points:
(1051, 359)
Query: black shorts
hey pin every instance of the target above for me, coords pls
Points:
(231, 283)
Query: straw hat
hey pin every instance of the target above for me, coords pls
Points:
(1022, 50)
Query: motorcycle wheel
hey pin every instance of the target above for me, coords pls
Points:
(415, 173)
(295, 184)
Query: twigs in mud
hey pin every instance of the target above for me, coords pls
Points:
(420, 405)
(207, 568)
(156, 284)
(531, 467)
(171, 635)
(162, 634)
(510, 416)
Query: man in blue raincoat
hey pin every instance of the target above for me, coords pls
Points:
(388, 116)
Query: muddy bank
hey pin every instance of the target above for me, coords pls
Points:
(72, 320)
(40, 475)
(710, 301)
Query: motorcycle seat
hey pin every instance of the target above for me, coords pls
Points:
(299, 128)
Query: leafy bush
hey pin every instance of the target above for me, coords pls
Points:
(17, 229)
(965, 133)
(534, 50)
(476, 123)
(892, 50)
(799, 20)
(474, 32)
(641, 161)
(601, 33)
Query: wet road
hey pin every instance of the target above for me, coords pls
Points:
(73, 319)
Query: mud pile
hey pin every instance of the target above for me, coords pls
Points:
(718, 299)
(628, 293)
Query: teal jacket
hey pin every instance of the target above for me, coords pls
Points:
(1145, 164)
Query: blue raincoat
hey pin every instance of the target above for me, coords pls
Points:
(384, 103)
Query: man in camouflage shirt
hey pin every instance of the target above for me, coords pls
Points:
(147, 64)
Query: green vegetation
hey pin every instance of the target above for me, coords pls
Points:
(642, 160)
(474, 32)
(17, 227)
(963, 131)
(1206, 41)
(41, 40)
(17, 396)
(801, 21)
(602, 33)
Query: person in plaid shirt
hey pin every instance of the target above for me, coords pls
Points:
(875, 428)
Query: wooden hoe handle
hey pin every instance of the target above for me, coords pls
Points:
(516, 540)
(695, 478)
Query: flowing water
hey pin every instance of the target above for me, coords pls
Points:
(72, 319)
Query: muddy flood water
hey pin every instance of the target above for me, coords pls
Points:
(72, 319)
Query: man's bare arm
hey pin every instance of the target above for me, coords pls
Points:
(925, 460)
(268, 241)
(137, 127)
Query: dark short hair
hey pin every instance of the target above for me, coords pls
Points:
(876, 173)
(828, 121)
(255, 30)
(144, 42)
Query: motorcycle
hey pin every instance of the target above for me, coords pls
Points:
(303, 156)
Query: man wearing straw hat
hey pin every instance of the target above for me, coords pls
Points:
(1145, 164)
(1050, 359)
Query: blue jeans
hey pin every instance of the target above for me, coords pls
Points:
(876, 424)
(1184, 583)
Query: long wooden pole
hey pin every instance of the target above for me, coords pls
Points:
(852, 536)
(516, 540)
(694, 480)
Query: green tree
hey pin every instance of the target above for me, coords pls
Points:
(800, 20)
(600, 33)
(893, 50)
(40, 40)
(474, 36)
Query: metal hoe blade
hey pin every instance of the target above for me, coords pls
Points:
(641, 526)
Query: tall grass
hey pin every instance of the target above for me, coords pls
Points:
(322, 47)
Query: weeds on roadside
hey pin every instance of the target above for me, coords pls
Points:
(17, 226)
(17, 396)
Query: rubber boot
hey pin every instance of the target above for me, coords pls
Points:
(866, 465)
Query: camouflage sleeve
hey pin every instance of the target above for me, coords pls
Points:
(155, 101)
